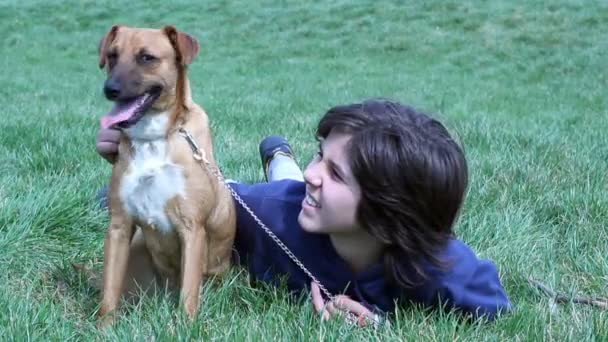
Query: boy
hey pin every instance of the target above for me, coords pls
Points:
(372, 218)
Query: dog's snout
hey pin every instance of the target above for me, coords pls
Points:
(111, 89)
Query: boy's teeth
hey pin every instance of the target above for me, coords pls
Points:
(311, 201)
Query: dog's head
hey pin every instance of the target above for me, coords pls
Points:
(145, 68)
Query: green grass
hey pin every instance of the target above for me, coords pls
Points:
(522, 83)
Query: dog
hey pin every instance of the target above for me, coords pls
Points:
(172, 221)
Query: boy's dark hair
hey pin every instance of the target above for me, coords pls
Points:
(413, 178)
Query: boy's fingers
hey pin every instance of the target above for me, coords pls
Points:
(106, 147)
(346, 304)
(332, 309)
(108, 135)
(107, 143)
(317, 300)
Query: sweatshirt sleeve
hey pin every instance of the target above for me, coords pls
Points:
(245, 237)
(473, 284)
(467, 284)
(269, 202)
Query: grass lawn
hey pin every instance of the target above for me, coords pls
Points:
(522, 83)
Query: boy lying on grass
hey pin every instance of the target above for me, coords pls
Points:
(371, 217)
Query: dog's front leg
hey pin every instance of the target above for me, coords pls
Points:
(116, 254)
(194, 267)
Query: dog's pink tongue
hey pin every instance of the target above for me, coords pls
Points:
(122, 112)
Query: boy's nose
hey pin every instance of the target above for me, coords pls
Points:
(311, 176)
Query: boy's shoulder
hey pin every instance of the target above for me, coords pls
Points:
(459, 262)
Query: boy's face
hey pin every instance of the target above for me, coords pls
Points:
(332, 193)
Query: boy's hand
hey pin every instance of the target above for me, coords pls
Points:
(107, 143)
(341, 305)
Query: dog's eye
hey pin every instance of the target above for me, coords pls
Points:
(145, 58)
(112, 57)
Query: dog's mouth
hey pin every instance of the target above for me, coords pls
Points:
(126, 113)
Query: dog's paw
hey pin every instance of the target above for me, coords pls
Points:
(105, 319)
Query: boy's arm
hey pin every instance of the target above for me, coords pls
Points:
(469, 285)
(269, 201)
(473, 285)
(244, 238)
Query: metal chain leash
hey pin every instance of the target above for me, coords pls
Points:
(199, 155)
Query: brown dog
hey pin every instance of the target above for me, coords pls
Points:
(172, 221)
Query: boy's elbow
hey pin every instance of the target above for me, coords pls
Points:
(494, 310)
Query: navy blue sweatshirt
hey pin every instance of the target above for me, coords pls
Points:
(470, 285)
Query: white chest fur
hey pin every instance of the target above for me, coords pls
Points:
(152, 179)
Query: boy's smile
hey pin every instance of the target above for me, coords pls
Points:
(309, 201)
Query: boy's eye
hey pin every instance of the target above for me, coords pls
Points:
(335, 174)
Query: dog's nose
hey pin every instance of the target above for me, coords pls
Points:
(111, 89)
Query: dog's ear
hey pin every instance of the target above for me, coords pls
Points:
(104, 43)
(185, 45)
